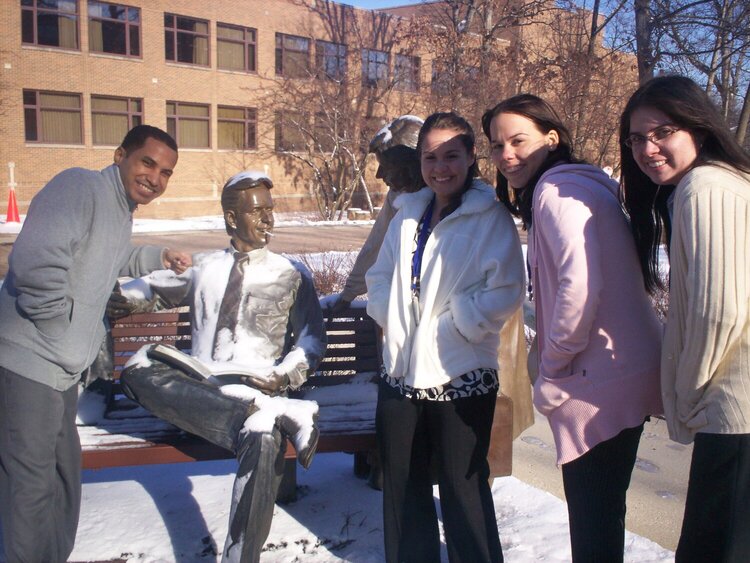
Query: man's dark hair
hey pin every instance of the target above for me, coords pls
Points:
(138, 135)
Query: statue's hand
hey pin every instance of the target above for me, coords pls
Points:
(118, 306)
(177, 261)
(339, 305)
(274, 384)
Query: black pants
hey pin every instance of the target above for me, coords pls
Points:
(595, 488)
(716, 526)
(457, 434)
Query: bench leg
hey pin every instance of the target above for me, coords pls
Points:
(361, 465)
(288, 488)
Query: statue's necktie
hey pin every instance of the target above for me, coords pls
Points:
(229, 310)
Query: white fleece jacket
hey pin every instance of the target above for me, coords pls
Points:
(472, 281)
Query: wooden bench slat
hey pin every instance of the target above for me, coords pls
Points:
(361, 351)
(355, 339)
(331, 368)
(147, 331)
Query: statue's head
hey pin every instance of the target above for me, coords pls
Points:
(248, 210)
(395, 148)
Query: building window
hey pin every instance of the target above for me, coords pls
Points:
(112, 118)
(235, 47)
(374, 67)
(292, 56)
(237, 127)
(448, 78)
(330, 60)
(52, 117)
(115, 29)
(185, 40)
(406, 72)
(442, 79)
(324, 134)
(290, 131)
(189, 124)
(52, 23)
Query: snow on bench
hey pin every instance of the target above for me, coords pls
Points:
(344, 387)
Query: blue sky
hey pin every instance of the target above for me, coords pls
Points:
(378, 3)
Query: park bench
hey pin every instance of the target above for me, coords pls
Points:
(344, 387)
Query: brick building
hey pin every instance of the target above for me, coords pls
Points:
(77, 74)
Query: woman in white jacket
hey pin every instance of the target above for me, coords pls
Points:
(449, 273)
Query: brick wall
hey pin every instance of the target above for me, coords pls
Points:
(197, 181)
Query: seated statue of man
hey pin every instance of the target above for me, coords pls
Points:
(257, 328)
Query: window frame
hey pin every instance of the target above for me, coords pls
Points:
(129, 113)
(177, 118)
(176, 31)
(367, 63)
(249, 123)
(280, 58)
(341, 59)
(127, 23)
(246, 31)
(36, 11)
(411, 71)
(279, 124)
(38, 108)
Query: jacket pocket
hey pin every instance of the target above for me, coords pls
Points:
(550, 393)
(450, 345)
(70, 349)
(698, 420)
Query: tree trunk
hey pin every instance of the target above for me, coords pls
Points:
(742, 125)
(643, 29)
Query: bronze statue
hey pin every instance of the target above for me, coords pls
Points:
(257, 328)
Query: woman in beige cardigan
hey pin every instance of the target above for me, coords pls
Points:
(683, 172)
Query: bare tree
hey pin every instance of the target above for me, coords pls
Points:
(325, 115)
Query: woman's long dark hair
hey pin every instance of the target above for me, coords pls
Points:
(689, 108)
(519, 200)
(452, 122)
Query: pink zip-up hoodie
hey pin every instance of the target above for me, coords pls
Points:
(599, 337)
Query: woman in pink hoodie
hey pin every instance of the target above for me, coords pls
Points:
(598, 336)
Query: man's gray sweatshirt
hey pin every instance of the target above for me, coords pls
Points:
(74, 244)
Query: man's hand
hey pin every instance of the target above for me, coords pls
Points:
(118, 305)
(177, 261)
(274, 384)
(340, 304)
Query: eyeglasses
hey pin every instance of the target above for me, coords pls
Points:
(656, 136)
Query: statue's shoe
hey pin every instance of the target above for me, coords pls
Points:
(304, 437)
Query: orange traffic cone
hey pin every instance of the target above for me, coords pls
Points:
(12, 216)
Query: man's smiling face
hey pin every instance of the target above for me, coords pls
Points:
(145, 172)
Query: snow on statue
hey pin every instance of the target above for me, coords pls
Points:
(257, 329)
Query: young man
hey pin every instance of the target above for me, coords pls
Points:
(256, 319)
(74, 244)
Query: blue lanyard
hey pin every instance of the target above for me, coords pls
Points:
(416, 259)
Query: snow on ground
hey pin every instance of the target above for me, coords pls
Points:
(179, 513)
(206, 223)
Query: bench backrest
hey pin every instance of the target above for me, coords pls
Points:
(353, 341)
